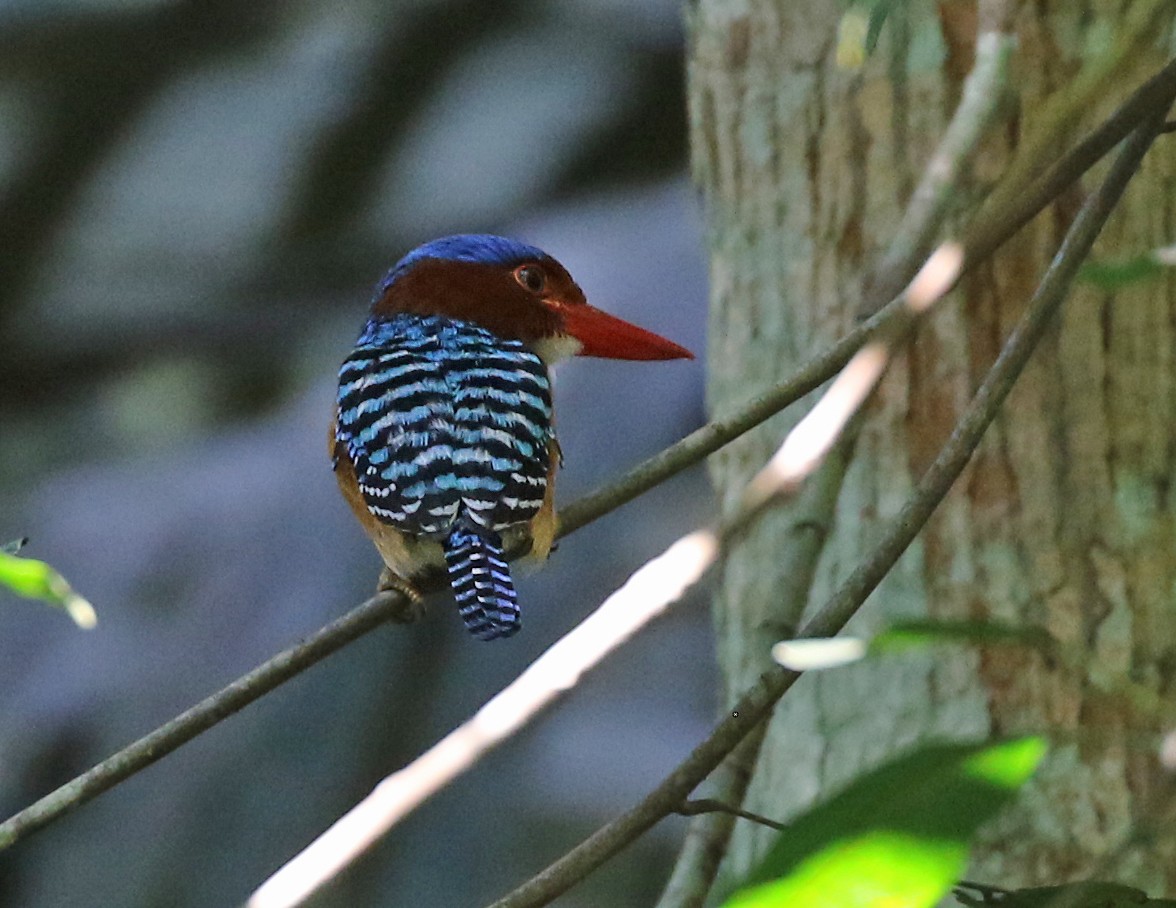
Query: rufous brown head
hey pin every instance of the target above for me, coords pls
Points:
(517, 291)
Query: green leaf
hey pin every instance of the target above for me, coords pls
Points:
(1116, 275)
(905, 634)
(37, 580)
(898, 836)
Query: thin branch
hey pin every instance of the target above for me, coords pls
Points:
(755, 705)
(205, 714)
(1014, 203)
(1157, 816)
(812, 438)
(703, 442)
(702, 806)
(698, 445)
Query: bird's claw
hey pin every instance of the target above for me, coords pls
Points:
(414, 603)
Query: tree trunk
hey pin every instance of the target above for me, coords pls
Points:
(1065, 517)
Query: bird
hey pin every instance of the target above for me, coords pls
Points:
(443, 441)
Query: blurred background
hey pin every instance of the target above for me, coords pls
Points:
(195, 200)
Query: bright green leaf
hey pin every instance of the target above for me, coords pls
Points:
(1007, 765)
(877, 869)
(37, 580)
(898, 836)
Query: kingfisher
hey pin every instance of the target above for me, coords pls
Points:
(443, 441)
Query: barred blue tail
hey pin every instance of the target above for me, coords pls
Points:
(480, 578)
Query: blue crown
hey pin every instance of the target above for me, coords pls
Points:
(481, 248)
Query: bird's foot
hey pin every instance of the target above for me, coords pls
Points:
(414, 603)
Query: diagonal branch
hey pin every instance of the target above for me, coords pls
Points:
(810, 518)
(1060, 114)
(205, 714)
(755, 705)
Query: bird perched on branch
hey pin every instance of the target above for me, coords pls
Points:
(444, 440)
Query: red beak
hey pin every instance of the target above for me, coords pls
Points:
(609, 337)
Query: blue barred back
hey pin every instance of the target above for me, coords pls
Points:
(443, 419)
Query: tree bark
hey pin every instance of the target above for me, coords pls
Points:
(1065, 518)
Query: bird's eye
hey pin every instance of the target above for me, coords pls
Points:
(531, 277)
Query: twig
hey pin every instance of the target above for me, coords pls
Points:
(1158, 815)
(701, 806)
(813, 437)
(704, 441)
(1016, 203)
(798, 457)
(203, 715)
(762, 696)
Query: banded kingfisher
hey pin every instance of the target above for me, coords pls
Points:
(444, 441)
